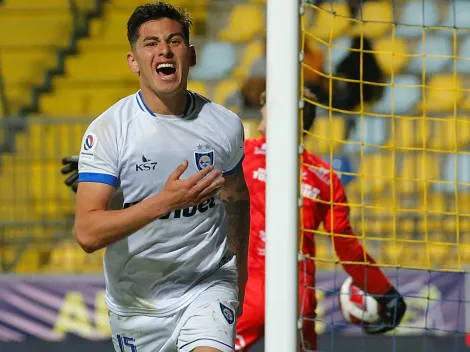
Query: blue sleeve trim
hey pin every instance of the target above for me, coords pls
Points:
(207, 339)
(235, 169)
(98, 178)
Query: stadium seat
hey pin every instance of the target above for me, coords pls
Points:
(400, 96)
(391, 53)
(252, 51)
(198, 87)
(327, 135)
(331, 21)
(415, 15)
(455, 169)
(426, 61)
(227, 93)
(376, 173)
(369, 134)
(458, 16)
(415, 173)
(408, 133)
(216, 61)
(450, 134)
(339, 50)
(20, 68)
(444, 93)
(251, 128)
(245, 22)
(376, 19)
(463, 61)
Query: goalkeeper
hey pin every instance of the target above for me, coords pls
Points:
(318, 183)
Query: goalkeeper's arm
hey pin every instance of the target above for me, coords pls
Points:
(369, 278)
(70, 168)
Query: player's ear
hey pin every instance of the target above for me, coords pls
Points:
(192, 56)
(132, 63)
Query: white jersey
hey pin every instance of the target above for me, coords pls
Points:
(161, 268)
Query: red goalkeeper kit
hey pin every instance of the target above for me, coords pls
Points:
(325, 203)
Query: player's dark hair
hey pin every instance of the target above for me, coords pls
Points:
(155, 11)
(310, 110)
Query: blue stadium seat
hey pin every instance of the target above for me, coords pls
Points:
(456, 168)
(216, 61)
(401, 97)
(434, 46)
(339, 50)
(463, 64)
(458, 15)
(371, 131)
(417, 14)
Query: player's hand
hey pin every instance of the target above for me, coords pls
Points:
(183, 193)
(71, 169)
(392, 308)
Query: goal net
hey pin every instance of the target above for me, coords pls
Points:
(390, 80)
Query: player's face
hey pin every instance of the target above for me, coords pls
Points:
(262, 124)
(162, 57)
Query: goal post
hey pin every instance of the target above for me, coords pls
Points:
(282, 164)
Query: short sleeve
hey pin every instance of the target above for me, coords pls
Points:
(98, 161)
(237, 148)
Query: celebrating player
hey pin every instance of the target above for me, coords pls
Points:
(324, 202)
(176, 254)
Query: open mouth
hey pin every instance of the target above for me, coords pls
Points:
(166, 71)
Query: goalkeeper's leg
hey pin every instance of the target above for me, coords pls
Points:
(250, 326)
(308, 304)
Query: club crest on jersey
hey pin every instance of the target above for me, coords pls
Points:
(204, 159)
(227, 313)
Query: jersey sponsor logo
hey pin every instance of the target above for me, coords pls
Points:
(308, 191)
(322, 173)
(260, 174)
(227, 313)
(261, 150)
(189, 212)
(204, 159)
(262, 237)
(146, 165)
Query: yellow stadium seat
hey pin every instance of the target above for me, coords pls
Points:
(332, 21)
(416, 172)
(391, 53)
(375, 175)
(36, 5)
(250, 54)
(198, 87)
(326, 135)
(409, 133)
(245, 22)
(224, 90)
(450, 134)
(444, 93)
(54, 34)
(66, 257)
(27, 261)
(20, 68)
(99, 66)
(251, 128)
(376, 19)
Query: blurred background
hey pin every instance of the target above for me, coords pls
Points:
(392, 83)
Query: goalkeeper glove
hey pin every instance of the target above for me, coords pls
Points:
(392, 308)
(71, 167)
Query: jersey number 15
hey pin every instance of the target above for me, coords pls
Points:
(126, 342)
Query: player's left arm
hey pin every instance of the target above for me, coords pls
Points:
(368, 277)
(236, 200)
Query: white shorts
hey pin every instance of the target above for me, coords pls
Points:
(209, 320)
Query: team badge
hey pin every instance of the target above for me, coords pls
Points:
(227, 313)
(204, 159)
(90, 142)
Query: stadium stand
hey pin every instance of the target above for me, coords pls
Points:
(407, 117)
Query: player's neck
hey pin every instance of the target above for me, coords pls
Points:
(174, 104)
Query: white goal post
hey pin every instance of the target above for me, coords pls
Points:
(282, 167)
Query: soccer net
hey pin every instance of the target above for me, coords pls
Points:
(390, 80)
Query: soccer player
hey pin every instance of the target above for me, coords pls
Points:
(176, 253)
(331, 210)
